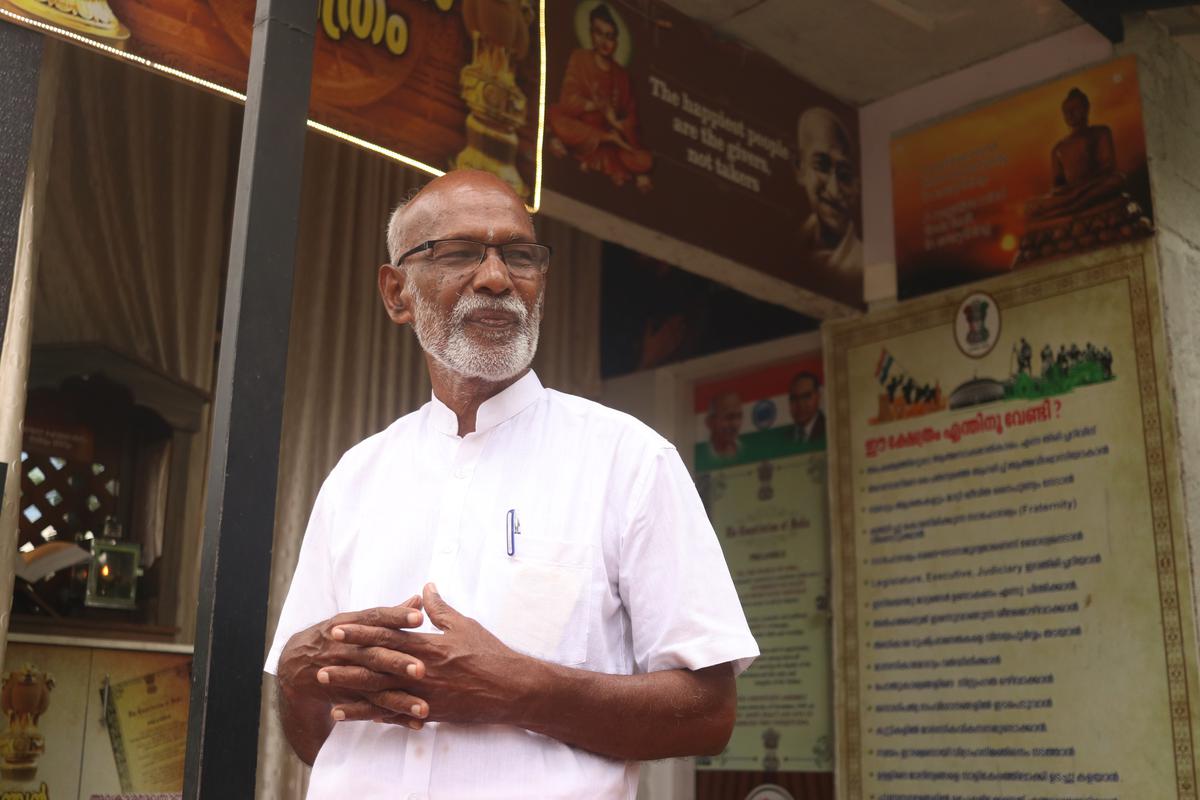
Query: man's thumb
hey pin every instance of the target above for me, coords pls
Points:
(439, 611)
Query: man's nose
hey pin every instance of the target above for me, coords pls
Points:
(833, 187)
(492, 274)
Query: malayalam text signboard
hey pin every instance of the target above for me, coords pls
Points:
(435, 83)
(1013, 605)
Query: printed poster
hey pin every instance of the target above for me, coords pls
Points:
(445, 83)
(653, 117)
(760, 468)
(83, 721)
(1050, 172)
(1014, 607)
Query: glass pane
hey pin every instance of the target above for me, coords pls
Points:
(53, 497)
(24, 456)
(92, 502)
(113, 487)
(57, 463)
(32, 513)
(27, 547)
(49, 533)
(36, 476)
(97, 469)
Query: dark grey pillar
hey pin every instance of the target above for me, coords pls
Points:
(20, 63)
(240, 511)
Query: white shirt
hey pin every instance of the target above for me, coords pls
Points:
(616, 569)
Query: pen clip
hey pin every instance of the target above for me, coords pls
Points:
(511, 529)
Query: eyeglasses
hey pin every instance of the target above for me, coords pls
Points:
(461, 255)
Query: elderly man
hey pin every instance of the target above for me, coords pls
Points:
(826, 169)
(570, 610)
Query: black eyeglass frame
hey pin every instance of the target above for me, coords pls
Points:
(430, 243)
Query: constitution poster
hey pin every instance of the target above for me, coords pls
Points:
(1013, 605)
(760, 467)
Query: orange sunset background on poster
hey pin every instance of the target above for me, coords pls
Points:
(968, 180)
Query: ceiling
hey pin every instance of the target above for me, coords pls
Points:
(864, 50)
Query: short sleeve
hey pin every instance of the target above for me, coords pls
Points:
(683, 609)
(311, 597)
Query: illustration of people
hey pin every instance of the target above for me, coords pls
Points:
(1025, 357)
(595, 119)
(1084, 164)
(1047, 359)
(1106, 362)
(892, 386)
(804, 403)
(1064, 360)
(826, 169)
(724, 422)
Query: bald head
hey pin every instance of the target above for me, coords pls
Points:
(820, 127)
(827, 171)
(463, 193)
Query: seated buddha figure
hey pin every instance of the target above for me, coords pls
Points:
(595, 118)
(1083, 162)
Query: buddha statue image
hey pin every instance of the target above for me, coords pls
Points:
(1087, 205)
(1084, 164)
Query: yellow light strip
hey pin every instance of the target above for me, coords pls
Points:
(541, 120)
(86, 41)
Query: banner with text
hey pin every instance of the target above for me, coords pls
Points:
(441, 82)
(84, 722)
(654, 118)
(1053, 171)
(760, 468)
(1014, 606)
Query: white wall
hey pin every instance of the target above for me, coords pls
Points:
(880, 121)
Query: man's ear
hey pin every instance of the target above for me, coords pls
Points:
(396, 294)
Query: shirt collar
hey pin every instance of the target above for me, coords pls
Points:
(494, 411)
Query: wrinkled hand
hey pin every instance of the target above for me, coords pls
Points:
(309, 654)
(465, 674)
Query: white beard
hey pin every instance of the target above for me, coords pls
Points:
(447, 340)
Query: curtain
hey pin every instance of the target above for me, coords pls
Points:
(137, 232)
(351, 372)
(140, 200)
(18, 331)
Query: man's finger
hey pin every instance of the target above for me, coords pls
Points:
(357, 679)
(440, 612)
(347, 712)
(388, 617)
(367, 636)
(381, 659)
(400, 702)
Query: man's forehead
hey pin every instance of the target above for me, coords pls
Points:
(468, 200)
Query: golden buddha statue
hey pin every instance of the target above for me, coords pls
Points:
(1087, 207)
(1084, 163)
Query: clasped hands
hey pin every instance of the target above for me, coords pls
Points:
(369, 668)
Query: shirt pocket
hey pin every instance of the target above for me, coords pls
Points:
(538, 600)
